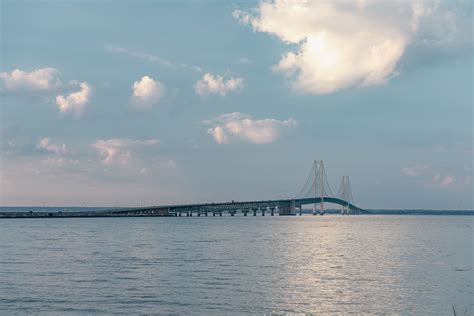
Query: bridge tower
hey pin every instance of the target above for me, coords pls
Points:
(319, 179)
(315, 206)
(318, 185)
(345, 194)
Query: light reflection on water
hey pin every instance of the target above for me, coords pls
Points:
(330, 264)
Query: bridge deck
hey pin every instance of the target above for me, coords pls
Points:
(281, 207)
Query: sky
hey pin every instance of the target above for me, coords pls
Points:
(127, 103)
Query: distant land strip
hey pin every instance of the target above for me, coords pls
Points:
(65, 212)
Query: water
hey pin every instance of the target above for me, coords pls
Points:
(232, 265)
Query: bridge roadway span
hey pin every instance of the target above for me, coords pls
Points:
(270, 207)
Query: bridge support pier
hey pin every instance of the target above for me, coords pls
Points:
(272, 211)
(287, 208)
(245, 212)
(263, 211)
(254, 212)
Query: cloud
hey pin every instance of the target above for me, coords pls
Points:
(237, 126)
(440, 177)
(414, 171)
(340, 44)
(167, 163)
(76, 101)
(467, 180)
(42, 79)
(210, 84)
(58, 159)
(244, 60)
(444, 181)
(439, 148)
(152, 58)
(119, 151)
(447, 181)
(445, 31)
(147, 91)
(46, 144)
(46, 79)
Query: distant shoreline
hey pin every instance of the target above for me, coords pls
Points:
(422, 212)
(405, 212)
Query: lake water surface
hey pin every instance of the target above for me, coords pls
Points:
(233, 265)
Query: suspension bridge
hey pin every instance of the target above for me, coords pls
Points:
(316, 192)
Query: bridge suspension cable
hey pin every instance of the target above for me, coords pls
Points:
(345, 192)
(308, 185)
(317, 184)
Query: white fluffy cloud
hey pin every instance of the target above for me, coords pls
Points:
(42, 79)
(119, 151)
(75, 101)
(341, 44)
(46, 144)
(46, 79)
(147, 91)
(210, 84)
(237, 126)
